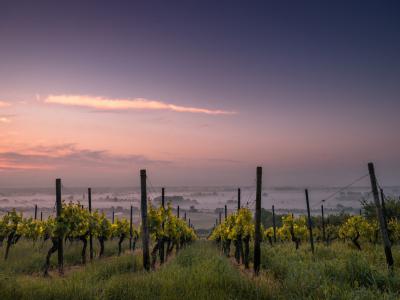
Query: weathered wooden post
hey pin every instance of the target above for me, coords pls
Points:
(35, 211)
(309, 222)
(257, 233)
(273, 222)
(113, 215)
(131, 229)
(238, 199)
(177, 213)
(90, 233)
(381, 217)
(145, 230)
(163, 197)
(220, 217)
(161, 240)
(60, 238)
(323, 224)
(41, 216)
(226, 212)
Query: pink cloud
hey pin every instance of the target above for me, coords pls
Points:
(66, 156)
(4, 104)
(127, 104)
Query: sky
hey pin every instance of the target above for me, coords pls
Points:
(198, 92)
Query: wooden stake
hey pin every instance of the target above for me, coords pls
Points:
(161, 249)
(90, 233)
(238, 199)
(145, 230)
(309, 222)
(381, 217)
(220, 217)
(257, 233)
(131, 229)
(35, 211)
(163, 197)
(184, 216)
(41, 216)
(113, 215)
(177, 213)
(226, 212)
(323, 224)
(273, 222)
(60, 238)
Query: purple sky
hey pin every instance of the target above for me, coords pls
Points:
(198, 92)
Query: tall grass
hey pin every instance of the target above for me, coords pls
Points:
(197, 272)
(335, 272)
(200, 271)
(29, 257)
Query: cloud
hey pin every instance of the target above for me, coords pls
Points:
(66, 156)
(101, 103)
(4, 104)
(4, 119)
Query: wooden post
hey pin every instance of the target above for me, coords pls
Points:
(145, 230)
(309, 222)
(257, 233)
(381, 217)
(226, 212)
(238, 199)
(60, 238)
(163, 197)
(35, 211)
(189, 223)
(130, 229)
(161, 249)
(113, 215)
(323, 223)
(273, 222)
(41, 216)
(177, 213)
(90, 233)
(220, 217)
(184, 216)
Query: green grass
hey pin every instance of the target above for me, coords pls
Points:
(28, 257)
(201, 272)
(197, 272)
(334, 272)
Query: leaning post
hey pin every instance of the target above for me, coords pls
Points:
(309, 222)
(381, 217)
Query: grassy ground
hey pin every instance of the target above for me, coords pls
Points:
(335, 272)
(198, 272)
(201, 272)
(28, 258)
